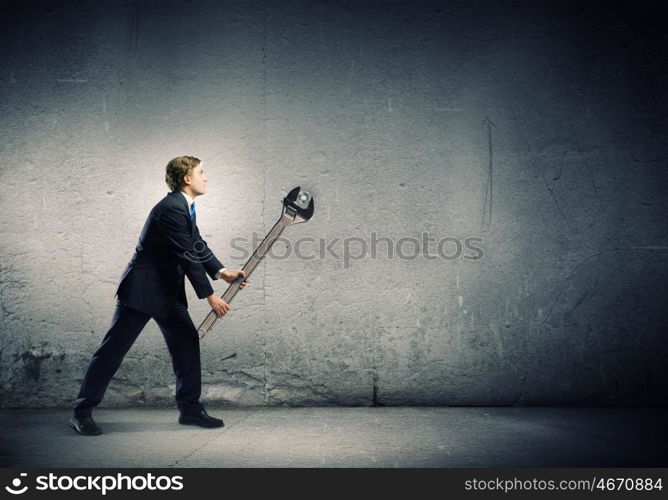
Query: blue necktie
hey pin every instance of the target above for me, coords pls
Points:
(192, 211)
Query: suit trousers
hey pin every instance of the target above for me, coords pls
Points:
(127, 323)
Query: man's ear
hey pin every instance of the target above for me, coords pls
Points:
(186, 179)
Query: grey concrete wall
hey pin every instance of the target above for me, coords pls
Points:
(539, 128)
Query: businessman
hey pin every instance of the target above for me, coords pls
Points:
(152, 286)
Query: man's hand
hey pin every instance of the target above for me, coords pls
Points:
(230, 276)
(219, 306)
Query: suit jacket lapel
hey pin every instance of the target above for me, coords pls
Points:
(184, 204)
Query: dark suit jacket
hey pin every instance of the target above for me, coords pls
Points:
(169, 247)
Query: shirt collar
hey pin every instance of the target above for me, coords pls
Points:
(189, 200)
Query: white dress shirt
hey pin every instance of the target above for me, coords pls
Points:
(190, 202)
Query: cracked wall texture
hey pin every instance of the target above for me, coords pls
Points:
(538, 127)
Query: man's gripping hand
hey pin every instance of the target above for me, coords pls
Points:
(230, 276)
(219, 306)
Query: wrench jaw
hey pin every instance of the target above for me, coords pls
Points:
(298, 205)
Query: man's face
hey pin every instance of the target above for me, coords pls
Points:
(197, 180)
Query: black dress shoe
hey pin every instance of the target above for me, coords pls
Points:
(85, 426)
(202, 419)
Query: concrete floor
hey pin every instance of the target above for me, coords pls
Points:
(343, 437)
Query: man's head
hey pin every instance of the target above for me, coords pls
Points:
(185, 173)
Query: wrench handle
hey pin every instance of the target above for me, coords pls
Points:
(259, 253)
